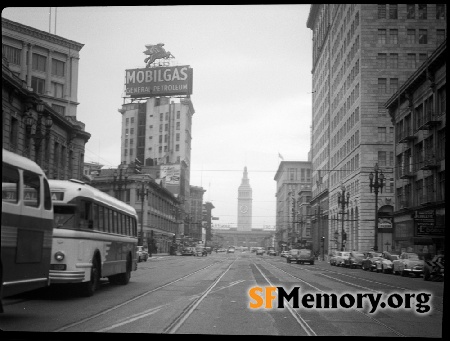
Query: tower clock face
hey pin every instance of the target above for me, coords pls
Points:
(244, 209)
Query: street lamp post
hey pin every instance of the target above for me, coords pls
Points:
(291, 236)
(38, 136)
(336, 237)
(376, 182)
(142, 193)
(343, 200)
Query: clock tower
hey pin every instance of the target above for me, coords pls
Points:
(244, 222)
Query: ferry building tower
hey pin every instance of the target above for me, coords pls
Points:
(244, 204)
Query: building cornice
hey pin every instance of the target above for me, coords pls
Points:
(42, 35)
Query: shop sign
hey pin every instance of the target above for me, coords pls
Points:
(385, 223)
(426, 223)
(429, 229)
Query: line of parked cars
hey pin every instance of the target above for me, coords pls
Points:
(385, 262)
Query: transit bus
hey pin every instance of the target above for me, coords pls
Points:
(94, 236)
(27, 226)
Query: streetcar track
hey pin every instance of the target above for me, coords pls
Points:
(306, 327)
(184, 315)
(354, 309)
(129, 301)
(153, 310)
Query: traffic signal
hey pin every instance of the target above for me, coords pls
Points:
(137, 166)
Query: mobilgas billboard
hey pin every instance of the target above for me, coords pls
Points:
(159, 81)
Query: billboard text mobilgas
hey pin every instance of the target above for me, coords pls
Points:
(159, 81)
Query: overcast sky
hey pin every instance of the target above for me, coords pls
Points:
(251, 86)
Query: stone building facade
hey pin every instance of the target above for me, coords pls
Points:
(39, 100)
(418, 112)
(362, 53)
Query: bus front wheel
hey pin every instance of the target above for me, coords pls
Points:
(89, 287)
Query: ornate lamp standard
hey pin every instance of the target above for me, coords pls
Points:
(342, 200)
(38, 136)
(376, 182)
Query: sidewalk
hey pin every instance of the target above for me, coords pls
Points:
(154, 255)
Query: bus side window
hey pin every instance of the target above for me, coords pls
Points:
(127, 224)
(47, 196)
(101, 225)
(86, 214)
(115, 222)
(32, 186)
(95, 216)
(10, 184)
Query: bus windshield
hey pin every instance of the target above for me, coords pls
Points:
(64, 216)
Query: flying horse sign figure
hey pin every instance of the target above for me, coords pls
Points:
(155, 52)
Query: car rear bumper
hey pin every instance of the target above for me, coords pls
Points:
(413, 271)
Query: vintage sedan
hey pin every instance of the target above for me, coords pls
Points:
(409, 263)
(141, 254)
(284, 253)
(341, 257)
(370, 262)
(291, 256)
(355, 260)
(304, 256)
(260, 251)
(200, 251)
(188, 251)
(385, 265)
(333, 256)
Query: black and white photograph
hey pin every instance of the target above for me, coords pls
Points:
(220, 170)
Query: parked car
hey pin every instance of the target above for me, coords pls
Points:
(385, 264)
(200, 251)
(333, 256)
(284, 253)
(231, 249)
(369, 262)
(260, 251)
(290, 257)
(341, 257)
(355, 259)
(434, 268)
(304, 256)
(409, 263)
(188, 251)
(141, 254)
(221, 250)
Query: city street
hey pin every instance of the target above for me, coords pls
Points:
(210, 295)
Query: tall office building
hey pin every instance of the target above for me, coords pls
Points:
(158, 132)
(292, 178)
(362, 53)
(244, 222)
